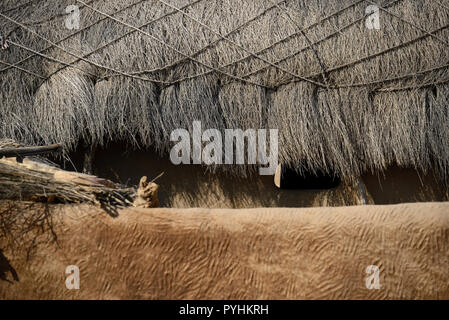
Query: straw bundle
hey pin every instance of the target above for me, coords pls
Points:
(34, 181)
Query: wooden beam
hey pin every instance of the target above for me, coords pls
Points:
(89, 157)
(29, 151)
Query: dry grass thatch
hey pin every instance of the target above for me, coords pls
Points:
(346, 99)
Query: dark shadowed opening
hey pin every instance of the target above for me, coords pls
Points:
(291, 179)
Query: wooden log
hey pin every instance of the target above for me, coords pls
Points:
(59, 175)
(20, 153)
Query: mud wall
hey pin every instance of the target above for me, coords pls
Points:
(268, 253)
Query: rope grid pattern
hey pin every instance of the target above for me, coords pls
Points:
(319, 79)
(345, 98)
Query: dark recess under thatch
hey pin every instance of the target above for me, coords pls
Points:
(346, 99)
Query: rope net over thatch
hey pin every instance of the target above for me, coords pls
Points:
(345, 98)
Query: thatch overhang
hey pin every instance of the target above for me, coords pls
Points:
(345, 98)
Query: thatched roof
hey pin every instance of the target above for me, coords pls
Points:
(345, 98)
